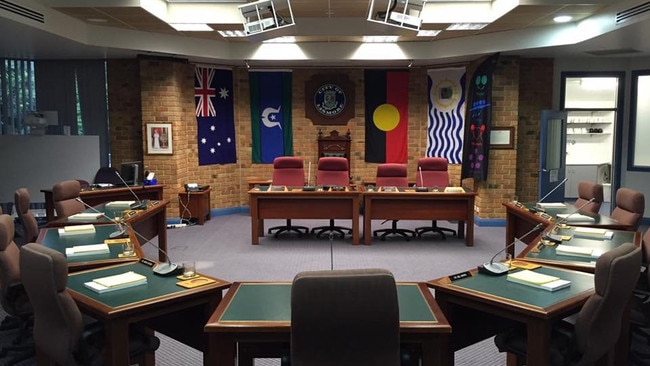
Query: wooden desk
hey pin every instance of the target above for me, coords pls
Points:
(480, 306)
(96, 196)
(411, 205)
(260, 313)
(298, 204)
(147, 223)
(519, 220)
(195, 205)
(161, 305)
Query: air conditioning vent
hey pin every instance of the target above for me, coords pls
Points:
(633, 12)
(22, 11)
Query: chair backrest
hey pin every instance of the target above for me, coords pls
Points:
(432, 172)
(108, 174)
(288, 171)
(25, 215)
(333, 171)
(645, 250)
(344, 317)
(391, 174)
(598, 325)
(57, 319)
(586, 191)
(9, 256)
(630, 205)
(64, 195)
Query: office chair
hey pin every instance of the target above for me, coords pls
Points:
(64, 195)
(598, 324)
(107, 175)
(344, 318)
(332, 171)
(25, 216)
(433, 173)
(640, 309)
(13, 298)
(586, 191)
(630, 205)
(288, 171)
(392, 174)
(59, 332)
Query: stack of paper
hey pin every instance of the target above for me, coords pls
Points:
(544, 205)
(538, 280)
(77, 230)
(85, 216)
(120, 204)
(454, 190)
(116, 282)
(87, 250)
(578, 251)
(575, 217)
(593, 233)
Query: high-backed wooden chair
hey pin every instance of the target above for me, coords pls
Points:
(392, 175)
(433, 173)
(288, 171)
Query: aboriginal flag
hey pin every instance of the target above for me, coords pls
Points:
(386, 116)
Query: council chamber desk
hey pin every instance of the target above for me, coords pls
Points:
(479, 306)
(147, 223)
(95, 196)
(407, 204)
(259, 314)
(161, 305)
(520, 220)
(294, 203)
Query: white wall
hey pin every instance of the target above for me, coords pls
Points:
(39, 162)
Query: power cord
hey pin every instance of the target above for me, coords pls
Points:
(185, 210)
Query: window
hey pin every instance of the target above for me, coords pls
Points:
(638, 147)
(17, 95)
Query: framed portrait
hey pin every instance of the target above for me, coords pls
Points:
(159, 138)
(502, 138)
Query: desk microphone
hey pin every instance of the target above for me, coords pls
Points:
(564, 220)
(420, 187)
(121, 230)
(498, 268)
(137, 205)
(535, 209)
(308, 187)
(161, 269)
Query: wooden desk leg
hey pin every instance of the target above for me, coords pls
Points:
(539, 341)
(162, 235)
(355, 221)
(221, 350)
(117, 342)
(367, 222)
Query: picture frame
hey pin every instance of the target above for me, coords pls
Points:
(159, 138)
(502, 138)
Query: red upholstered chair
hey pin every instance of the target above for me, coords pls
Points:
(586, 191)
(392, 175)
(630, 205)
(332, 171)
(433, 173)
(288, 171)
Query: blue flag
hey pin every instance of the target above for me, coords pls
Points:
(271, 115)
(215, 116)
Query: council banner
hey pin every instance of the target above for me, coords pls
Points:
(446, 113)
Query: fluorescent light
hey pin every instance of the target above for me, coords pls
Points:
(428, 33)
(232, 33)
(380, 39)
(563, 18)
(284, 39)
(467, 26)
(191, 27)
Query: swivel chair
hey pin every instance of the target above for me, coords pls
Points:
(332, 172)
(107, 175)
(630, 205)
(64, 195)
(25, 216)
(392, 175)
(598, 324)
(588, 190)
(433, 173)
(288, 171)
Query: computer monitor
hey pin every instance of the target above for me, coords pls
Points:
(132, 172)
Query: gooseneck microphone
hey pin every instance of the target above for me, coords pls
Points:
(536, 208)
(138, 204)
(498, 268)
(564, 220)
(121, 230)
(162, 269)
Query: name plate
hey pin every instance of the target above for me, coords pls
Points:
(459, 276)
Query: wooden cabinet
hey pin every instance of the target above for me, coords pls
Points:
(194, 205)
(334, 145)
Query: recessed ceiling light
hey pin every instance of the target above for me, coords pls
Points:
(380, 39)
(563, 18)
(283, 39)
(191, 27)
(232, 33)
(467, 26)
(428, 33)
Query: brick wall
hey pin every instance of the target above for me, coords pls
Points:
(167, 97)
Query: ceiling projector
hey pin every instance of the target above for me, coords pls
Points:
(36, 122)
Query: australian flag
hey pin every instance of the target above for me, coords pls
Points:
(215, 116)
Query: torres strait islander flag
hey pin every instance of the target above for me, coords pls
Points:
(386, 116)
(215, 116)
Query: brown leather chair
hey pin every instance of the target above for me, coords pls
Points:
(332, 171)
(588, 190)
(433, 173)
(344, 318)
(640, 310)
(64, 195)
(288, 171)
(59, 331)
(25, 215)
(392, 175)
(599, 322)
(630, 205)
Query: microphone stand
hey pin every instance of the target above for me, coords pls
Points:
(138, 205)
(498, 268)
(162, 269)
(555, 239)
(535, 209)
